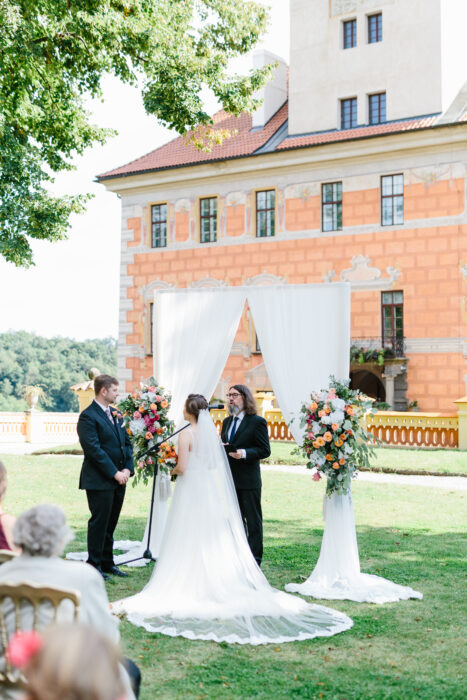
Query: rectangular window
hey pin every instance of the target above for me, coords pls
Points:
(375, 28)
(257, 345)
(265, 213)
(392, 321)
(349, 113)
(208, 219)
(159, 225)
(377, 108)
(151, 328)
(350, 33)
(331, 206)
(392, 200)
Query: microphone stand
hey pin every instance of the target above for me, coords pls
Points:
(147, 554)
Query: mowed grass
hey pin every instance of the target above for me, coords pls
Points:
(405, 650)
(392, 459)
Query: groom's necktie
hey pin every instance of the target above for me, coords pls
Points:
(234, 428)
(107, 413)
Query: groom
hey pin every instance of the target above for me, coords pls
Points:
(245, 436)
(107, 466)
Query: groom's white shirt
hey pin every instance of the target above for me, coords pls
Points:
(240, 418)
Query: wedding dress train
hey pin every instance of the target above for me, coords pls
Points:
(206, 583)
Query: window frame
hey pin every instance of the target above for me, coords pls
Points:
(378, 95)
(149, 328)
(378, 30)
(210, 217)
(393, 197)
(333, 203)
(354, 103)
(395, 335)
(152, 205)
(353, 33)
(266, 209)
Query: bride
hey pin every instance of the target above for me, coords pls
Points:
(206, 583)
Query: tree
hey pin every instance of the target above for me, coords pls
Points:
(55, 52)
(55, 364)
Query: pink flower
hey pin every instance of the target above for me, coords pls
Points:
(22, 646)
(316, 476)
(136, 415)
(149, 460)
(311, 436)
(158, 398)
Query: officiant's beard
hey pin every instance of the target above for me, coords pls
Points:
(233, 410)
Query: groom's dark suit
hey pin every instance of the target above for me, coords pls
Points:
(251, 436)
(107, 449)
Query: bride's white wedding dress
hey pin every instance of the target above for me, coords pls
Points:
(206, 583)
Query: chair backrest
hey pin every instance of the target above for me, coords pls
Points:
(28, 597)
(6, 555)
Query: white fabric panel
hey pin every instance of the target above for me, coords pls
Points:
(337, 575)
(194, 330)
(304, 334)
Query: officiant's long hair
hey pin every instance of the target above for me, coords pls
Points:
(248, 400)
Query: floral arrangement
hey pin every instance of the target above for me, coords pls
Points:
(145, 412)
(336, 441)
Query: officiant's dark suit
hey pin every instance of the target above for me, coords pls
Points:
(107, 465)
(249, 441)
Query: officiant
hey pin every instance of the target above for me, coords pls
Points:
(246, 439)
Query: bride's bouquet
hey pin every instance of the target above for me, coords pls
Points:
(145, 412)
(336, 441)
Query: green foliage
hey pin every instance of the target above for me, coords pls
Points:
(377, 355)
(53, 53)
(54, 363)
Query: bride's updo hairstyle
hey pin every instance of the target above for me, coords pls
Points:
(194, 404)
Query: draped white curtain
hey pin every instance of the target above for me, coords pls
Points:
(194, 330)
(304, 334)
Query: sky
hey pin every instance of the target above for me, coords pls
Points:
(73, 290)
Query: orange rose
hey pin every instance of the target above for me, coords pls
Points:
(327, 436)
(329, 458)
(153, 407)
(320, 414)
(164, 403)
(159, 431)
(342, 461)
(142, 409)
(148, 436)
(338, 443)
(313, 406)
(327, 409)
(335, 465)
(334, 426)
(316, 445)
(349, 410)
(129, 431)
(320, 441)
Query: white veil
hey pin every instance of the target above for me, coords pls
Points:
(206, 583)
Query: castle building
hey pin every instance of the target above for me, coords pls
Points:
(353, 169)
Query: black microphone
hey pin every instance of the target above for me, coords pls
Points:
(216, 407)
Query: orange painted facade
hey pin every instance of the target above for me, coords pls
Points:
(428, 259)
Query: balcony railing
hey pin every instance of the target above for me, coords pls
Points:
(393, 347)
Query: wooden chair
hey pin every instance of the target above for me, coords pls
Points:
(6, 555)
(27, 598)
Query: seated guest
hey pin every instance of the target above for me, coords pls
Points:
(42, 533)
(71, 662)
(6, 521)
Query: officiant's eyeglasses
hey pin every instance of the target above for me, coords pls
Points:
(233, 395)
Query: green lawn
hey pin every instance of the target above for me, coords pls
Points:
(401, 651)
(400, 460)
(388, 459)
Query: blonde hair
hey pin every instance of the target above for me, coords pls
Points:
(76, 662)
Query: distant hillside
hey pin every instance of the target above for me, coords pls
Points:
(54, 363)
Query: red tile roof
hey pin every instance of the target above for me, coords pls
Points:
(178, 152)
(247, 141)
(359, 132)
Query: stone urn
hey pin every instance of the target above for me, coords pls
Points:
(32, 394)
